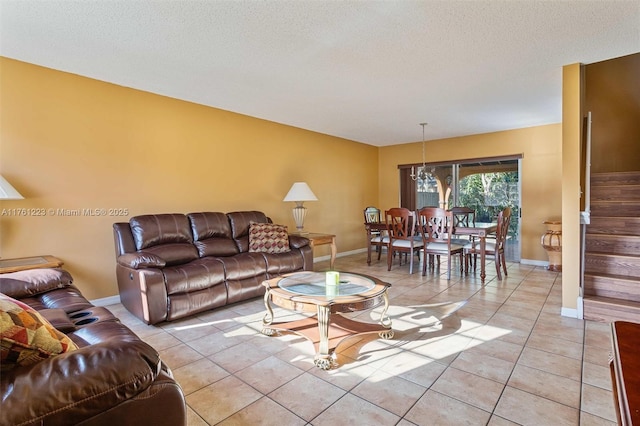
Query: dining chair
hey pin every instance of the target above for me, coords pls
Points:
(464, 217)
(436, 228)
(401, 235)
(375, 232)
(495, 249)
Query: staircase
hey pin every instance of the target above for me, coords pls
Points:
(612, 249)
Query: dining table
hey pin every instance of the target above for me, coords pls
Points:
(479, 230)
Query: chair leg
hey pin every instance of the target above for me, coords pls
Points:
(424, 264)
(411, 264)
(497, 256)
(389, 257)
(369, 254)
(503, 260)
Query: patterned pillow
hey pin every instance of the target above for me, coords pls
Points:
(26, 337)
(269, 238)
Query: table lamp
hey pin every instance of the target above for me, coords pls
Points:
(8, 192)
(299, 193)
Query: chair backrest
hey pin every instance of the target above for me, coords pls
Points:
(372, 215)
(400, 223)
(504, 217)
(435, 224)
(463, 216)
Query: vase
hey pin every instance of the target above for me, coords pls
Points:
(551, 241)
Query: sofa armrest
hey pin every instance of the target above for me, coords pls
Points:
(296, 241)
(73, 387)
(140, 260)
(34, 281)
(143, 292)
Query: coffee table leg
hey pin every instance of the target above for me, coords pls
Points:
(385, 320)
(323, 358)
(268, 316)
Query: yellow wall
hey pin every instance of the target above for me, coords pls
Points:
(69, 142)
(541, 172)
(571, 140)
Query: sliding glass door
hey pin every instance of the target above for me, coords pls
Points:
(486, 185)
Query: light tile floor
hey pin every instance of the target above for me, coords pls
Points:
(505, 357)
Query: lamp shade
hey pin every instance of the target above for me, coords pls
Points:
(8, 192)
(300, 191)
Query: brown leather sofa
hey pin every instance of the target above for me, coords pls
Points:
(170, 266)
(112, 378)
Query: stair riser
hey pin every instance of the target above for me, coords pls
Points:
(614, 225)
(620, 244)
(612, 246)
(616, 193)
(603, 209)
(612, 264)
(623, 178)
(603, 312)
(614, 288)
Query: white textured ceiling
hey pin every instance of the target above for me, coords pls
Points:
(368, 71)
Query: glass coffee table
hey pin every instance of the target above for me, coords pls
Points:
(308, 292)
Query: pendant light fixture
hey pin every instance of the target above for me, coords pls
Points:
(422, 174)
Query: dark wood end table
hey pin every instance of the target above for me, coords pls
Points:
(24, 263)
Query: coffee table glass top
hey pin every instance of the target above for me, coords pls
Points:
(314, 284)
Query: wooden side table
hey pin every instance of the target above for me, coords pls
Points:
(24, 263)
(624, 365)
(320, 239)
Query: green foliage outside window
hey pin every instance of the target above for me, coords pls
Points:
(488, 194)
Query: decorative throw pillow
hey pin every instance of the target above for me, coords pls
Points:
(268, 238)
(26, 337)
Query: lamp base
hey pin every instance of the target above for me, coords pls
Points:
(299, 213)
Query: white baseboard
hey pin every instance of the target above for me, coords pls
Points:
(106, 301)
(345, 253)
(580, 308)
(534, 262)
(568, 312)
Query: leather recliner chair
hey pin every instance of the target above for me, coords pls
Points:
(112, 378)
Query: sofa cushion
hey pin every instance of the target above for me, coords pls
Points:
(33, 281)
(240, 222)
(174, 254)
(209, 225)
(26, 337)
(212, 234)
(268, 238)
(193, 276)
(158, 229)
(282, 263)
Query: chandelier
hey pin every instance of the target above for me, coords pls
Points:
(422, 174)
